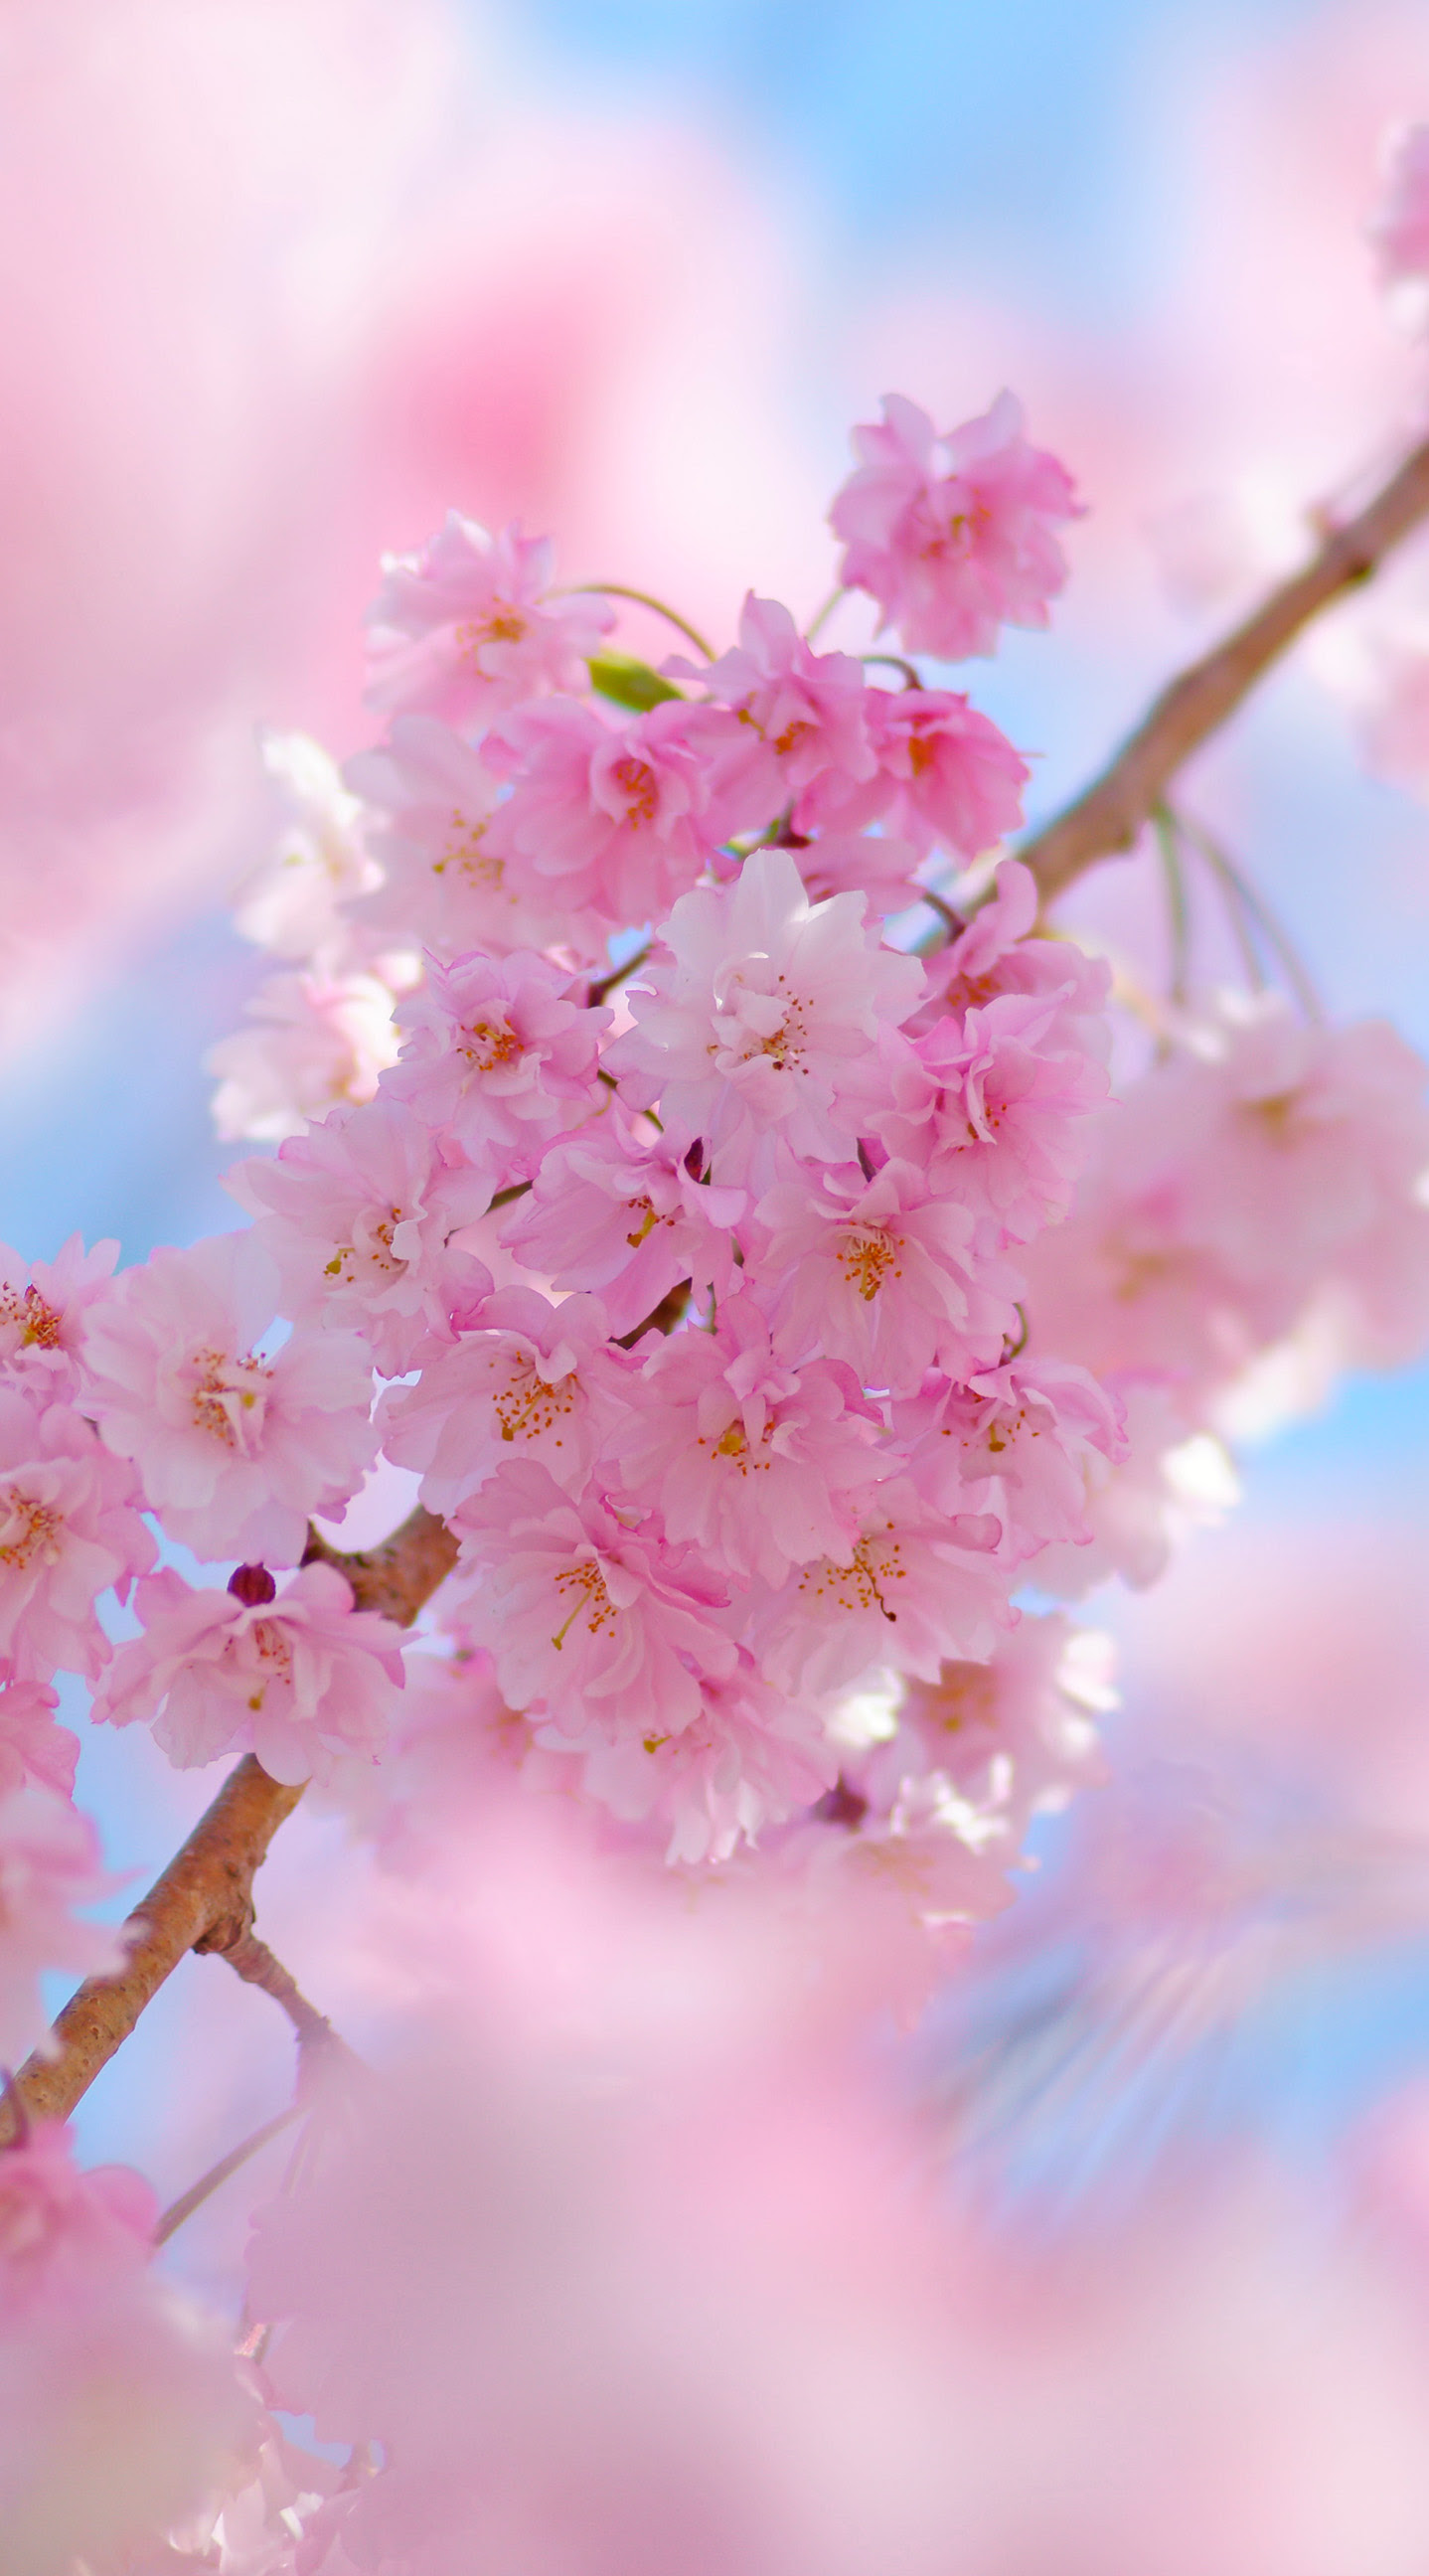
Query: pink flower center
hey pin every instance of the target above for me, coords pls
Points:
(637, 784)
(488, 1044)
(464, 852)
(39, 1325)
(592, 1601)
(858, 1585)
(227, 1397)
(866, 1258)
(527, 1406)
(504, 625)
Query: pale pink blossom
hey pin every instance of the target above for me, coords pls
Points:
(615, 820)
(469, 625)
(500, 1054)
(910, 1862)
(882, 1274)
(1016, 1441)
(120, 2408)
(32, 1746)
(604, 1626)
(42, 1309)
(1016, 1735)
(70, 1528)
(235, 1449)
(945, 777)
(528, 1379)
(915, 1589)
(952, 535)
(291, 903)
(301, 1679)
(996, 1113)
(630, 1213)
(49, 1865)
(363, 1217)
(1399, 227)
(748, 1758)
(320, 1043)
(444, 882)
(801, 716)
(762, 1466)
(762, 1015)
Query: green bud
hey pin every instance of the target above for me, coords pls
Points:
(628, 682)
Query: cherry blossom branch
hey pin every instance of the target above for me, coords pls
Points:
(204, 1899)
(1110, 815)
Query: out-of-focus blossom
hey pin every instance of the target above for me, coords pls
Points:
(49, 1865)
(470, 626)
(321, 1043)
(953, 534)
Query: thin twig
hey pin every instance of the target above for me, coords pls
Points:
(197, 2193)
(912, 679)
(1258, 912)
(822, 615)
(642, 599)
(617, 976)
(1110, 815)
(205, 1896)
(1168, 842)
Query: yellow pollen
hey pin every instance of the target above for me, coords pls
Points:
(490, 1043)
(39, 1325)
(526, 1406)
(465, 854)
(637, 784)
(32, 1529)
(867, 1259)
(593, 1602)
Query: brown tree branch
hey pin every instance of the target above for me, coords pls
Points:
(204, 1899)
(1110, 815)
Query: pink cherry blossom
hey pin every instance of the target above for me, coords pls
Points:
(469, 626)
(362, 1218)
(914, 1589)
(603, 1625)
(630, 1213)
(444, 882)
(42, 1308)
(235, 1449)
(1001, 951)
(872, 864)
(762, 1466)
(802, 716)
(300, 1679)
(749, 1758)
(952, 555)
(612, 819)
(532, 1380)
(32, 1746)
(764, 1016)
(320, 1043)
(913, 1864)
(945, 776)
(1014, 1441)
(49, 1864)
(70, 1528)
(1399, 229)
(500, 1054)
(883, 1275)
(1000, 1120)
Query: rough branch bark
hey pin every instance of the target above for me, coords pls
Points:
(1110, 814)
(204, 1899)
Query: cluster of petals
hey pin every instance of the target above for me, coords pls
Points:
(292, 904)
(42, 1309)
(603, 818)
(801, 717)
(469, 625)
(946, 776)
(1015, 1441)
(500, 1055)
(299, 1679)
(363, 1218)
(624, 1209)
(318, 1042)
(952, 535)
(997, 1113)
(33, 1746)
(913, 1588)
(526, 1380)
(765, 1017)
(445, 884)
(747, 1760)
(234, 1449)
